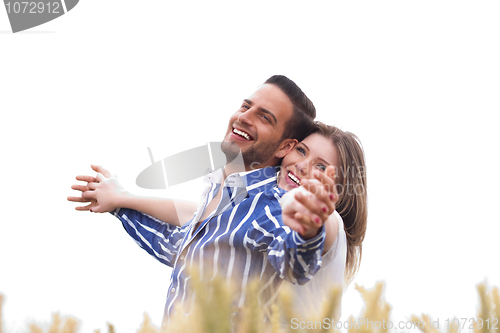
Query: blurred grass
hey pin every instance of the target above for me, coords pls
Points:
(214, 312)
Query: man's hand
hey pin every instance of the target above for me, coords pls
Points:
(102, 191)
(309, 210)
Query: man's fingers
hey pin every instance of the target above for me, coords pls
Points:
(92, 186)
(101, 170)
(89, 195)
(82, 188)
(99, 177)
(78, 199)
(85, 208)
(84, 178)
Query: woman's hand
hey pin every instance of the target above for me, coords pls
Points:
(308, 207)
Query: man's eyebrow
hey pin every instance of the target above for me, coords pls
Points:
(266, 111)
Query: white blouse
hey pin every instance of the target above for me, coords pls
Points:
(308, 298)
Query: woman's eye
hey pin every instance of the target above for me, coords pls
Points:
(301, 150)
(321, 167)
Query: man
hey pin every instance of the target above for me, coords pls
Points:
(237, 231)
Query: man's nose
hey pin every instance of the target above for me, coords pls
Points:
(247, 117)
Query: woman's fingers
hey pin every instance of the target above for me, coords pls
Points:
(310, 229)
(293, 224)
(317, 211)
(327, 178)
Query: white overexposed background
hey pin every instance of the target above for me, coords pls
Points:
(418, 82)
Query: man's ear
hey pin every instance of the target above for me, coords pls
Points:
(286, 146)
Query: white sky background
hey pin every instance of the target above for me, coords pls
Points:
(418, 82)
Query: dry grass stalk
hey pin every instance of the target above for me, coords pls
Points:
(147, 326)
(213, 313)
(424, 324)
(489, 311)
(285, 305)
(275, 319)
(35, 329)
(69, 325)
(377, 310)
(495, 294)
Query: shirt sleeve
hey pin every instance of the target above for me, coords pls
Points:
(294, 258)
(159, 239)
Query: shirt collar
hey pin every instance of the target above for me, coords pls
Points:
(257, 180)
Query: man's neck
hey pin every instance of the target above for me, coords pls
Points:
(237, 165)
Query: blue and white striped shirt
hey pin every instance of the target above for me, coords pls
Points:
(243, 238)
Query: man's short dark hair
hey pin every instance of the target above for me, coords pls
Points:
(304, 112)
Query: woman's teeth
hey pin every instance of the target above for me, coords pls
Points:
(293, 178)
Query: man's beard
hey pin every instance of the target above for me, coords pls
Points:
(253, 157)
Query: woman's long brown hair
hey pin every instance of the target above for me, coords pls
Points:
(350, 181)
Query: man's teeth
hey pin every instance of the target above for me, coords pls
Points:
(243, 134)
(293, 178)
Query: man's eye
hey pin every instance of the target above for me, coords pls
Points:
(244, 106)
(266, 118)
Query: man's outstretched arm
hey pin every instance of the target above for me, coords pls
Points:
(105, 194)
(161, 240)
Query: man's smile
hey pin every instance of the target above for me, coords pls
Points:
(242, 134)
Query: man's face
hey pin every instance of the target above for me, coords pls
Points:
(257, 127)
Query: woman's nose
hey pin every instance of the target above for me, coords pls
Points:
(303, 168)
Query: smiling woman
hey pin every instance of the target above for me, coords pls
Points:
(325, 149)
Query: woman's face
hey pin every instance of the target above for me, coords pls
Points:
(314, 152)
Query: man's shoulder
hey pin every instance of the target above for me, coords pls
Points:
(273, 193)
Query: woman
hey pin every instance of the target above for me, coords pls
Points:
(326, 147)
(345, 229)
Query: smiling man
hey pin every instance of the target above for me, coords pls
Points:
(237, 231)
(258, 126)
(269, 123)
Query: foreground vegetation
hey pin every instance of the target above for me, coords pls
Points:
(212, 314)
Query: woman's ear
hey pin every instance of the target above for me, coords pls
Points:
(285, 147)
